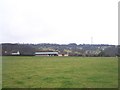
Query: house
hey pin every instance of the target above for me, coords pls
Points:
(46, 53)
(15, 53)
(63, 55)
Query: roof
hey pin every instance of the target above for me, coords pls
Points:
(44, 53)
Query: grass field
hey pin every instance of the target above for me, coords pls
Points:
(60, 72)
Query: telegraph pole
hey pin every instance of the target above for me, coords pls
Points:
(91, 40)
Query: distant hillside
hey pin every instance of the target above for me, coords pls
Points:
(72, 49)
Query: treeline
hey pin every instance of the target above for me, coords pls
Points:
(71, 49)
(24, 49)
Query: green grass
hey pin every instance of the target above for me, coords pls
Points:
(60, 72)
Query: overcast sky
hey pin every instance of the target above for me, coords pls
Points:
(59, 21)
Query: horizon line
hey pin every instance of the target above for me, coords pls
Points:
(55, 43)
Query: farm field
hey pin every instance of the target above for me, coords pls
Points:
(59, 72)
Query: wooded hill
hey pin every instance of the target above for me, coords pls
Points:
(71, 49)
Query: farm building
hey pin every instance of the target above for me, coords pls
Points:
(46, 53)
(15, 53)
(63, 55)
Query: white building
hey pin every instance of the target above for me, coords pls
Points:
(16, 53)
(46, 53)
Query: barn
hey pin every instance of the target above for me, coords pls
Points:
(15, 53)
(46, 53)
